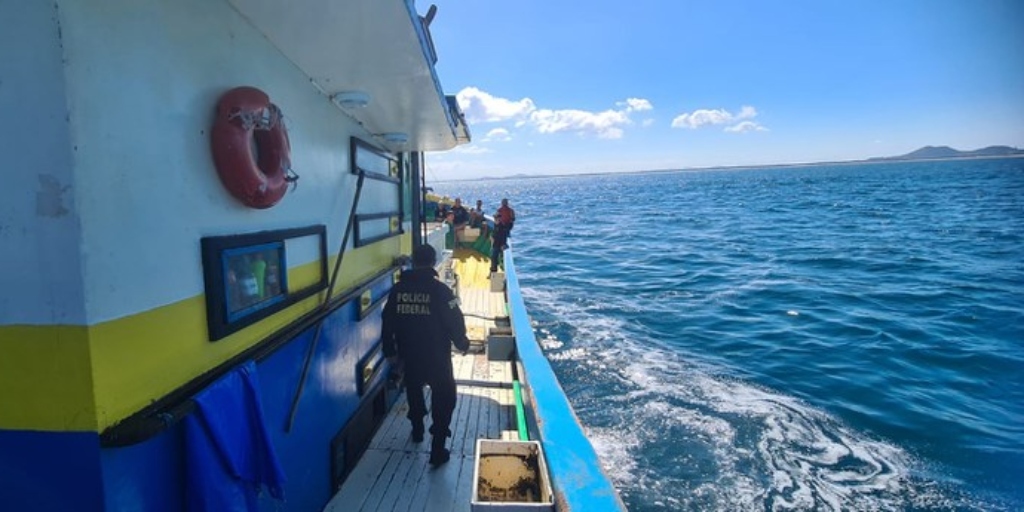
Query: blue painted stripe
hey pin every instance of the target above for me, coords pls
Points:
(575, 469)
(50, 471)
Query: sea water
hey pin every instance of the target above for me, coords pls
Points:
(827, 337)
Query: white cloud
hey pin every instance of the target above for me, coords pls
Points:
(647, 122)
(711, 117)
(498, 134)
(701, 117)
(747, 112)
(745, 126)
(481, 107)
(635, 104)
(471, 149)
(606, 125)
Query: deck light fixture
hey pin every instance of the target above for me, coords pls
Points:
(351, 100)
(395, 137)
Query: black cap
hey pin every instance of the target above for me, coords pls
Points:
(424, 256)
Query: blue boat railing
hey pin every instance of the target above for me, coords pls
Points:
(579, 482)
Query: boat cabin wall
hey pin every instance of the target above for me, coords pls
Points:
(39, 228)
(125, 174)
(111, 188)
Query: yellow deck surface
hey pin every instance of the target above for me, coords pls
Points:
(473, 269)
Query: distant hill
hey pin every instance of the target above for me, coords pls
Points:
(942, 152)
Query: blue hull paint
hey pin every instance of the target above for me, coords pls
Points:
(50, 471)
(68, 471)
(59, 471)
(146, 476)
(576, 474)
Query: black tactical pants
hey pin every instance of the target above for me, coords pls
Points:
(442, 402)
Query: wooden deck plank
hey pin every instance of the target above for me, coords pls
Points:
(469, 440)
(461, 419)
(418, 493)
(406, 465)
(443, 485)
(486, 406)
(464, 484)
(493, 420)
(461, 366)
(494, 425)
(465, 489)
(506, 418)
(353, 492)
(468, 417)
(390, 431)
(486, 409)
(503, 423)
(459, 444)
(406, 499)
(387, 475)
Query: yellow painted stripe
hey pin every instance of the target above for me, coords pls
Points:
(45, 378)
(87, 378)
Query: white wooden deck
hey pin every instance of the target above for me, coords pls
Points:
(393, 474)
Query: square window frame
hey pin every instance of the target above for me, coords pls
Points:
(217, 254)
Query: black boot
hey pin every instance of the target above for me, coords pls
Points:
(417, 431)
(438, 454)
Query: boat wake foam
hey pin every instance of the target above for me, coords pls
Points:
(674, 434)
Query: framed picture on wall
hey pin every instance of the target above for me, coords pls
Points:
(246, 276)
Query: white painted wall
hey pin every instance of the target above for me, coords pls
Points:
(40, 273)
(142, 80)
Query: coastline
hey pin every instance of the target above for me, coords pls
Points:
(880, 160)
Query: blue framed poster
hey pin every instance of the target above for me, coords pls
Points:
(246, 276)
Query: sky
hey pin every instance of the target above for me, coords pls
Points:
(567, 87)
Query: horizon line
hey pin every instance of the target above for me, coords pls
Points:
(873, 160)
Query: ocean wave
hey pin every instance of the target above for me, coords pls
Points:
(822, 338)
(698, 439)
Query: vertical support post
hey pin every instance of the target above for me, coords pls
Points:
(418, 198)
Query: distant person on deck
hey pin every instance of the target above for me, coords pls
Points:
(499, 240)
(460, 215)
(459, 218)
(476, 215)
(506, 217)
(421, 320)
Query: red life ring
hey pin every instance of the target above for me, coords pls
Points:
(250, 147)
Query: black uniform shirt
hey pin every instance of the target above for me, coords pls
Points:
(421, 320)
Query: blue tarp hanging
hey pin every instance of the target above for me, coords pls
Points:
(229, 457)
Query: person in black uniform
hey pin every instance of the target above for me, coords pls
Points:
(499, 241)
(421, 320)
